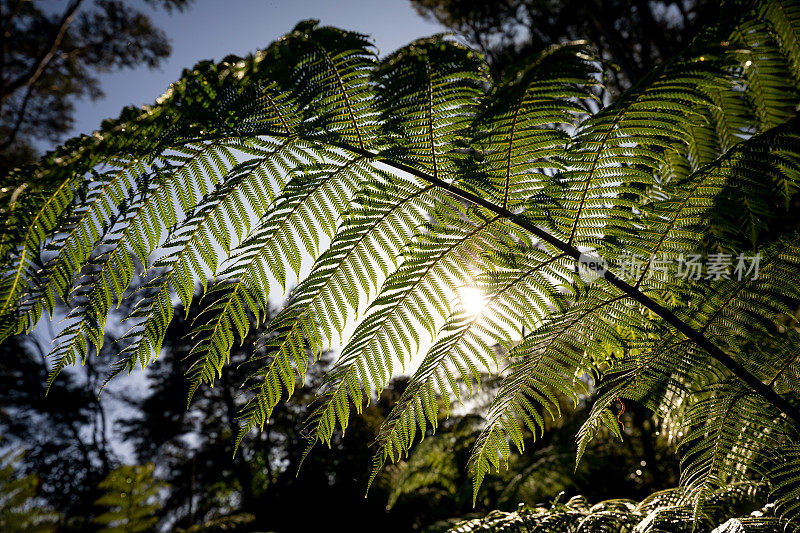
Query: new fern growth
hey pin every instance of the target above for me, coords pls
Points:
(386, 185)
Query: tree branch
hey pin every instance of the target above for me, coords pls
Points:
(40, 64)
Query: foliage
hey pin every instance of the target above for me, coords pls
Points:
(662, 511)
(21, 510)
(64, 432)
(436, 469)
(50, 56)
(131, 499)
(406, 179)
(258, 489)
(633, 35)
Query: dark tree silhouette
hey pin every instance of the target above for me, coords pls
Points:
(633, 34)
(49, 56)
(64, 432)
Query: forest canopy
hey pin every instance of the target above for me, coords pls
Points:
(50, 56)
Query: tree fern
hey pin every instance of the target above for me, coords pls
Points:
(130, 500)
(20, 508)
(384, 187)
(662, 511)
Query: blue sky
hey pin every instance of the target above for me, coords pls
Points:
(212, 29)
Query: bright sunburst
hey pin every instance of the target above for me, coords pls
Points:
(472, 299)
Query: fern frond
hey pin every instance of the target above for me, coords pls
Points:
(190, 249)
(548, 364)
(515, 299)
(522, 125)
(414, 295)
(727, 436)
(428, 93)
(263, 256)
(616, 153)
(385, 214)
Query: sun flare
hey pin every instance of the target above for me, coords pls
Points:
(472, 300)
